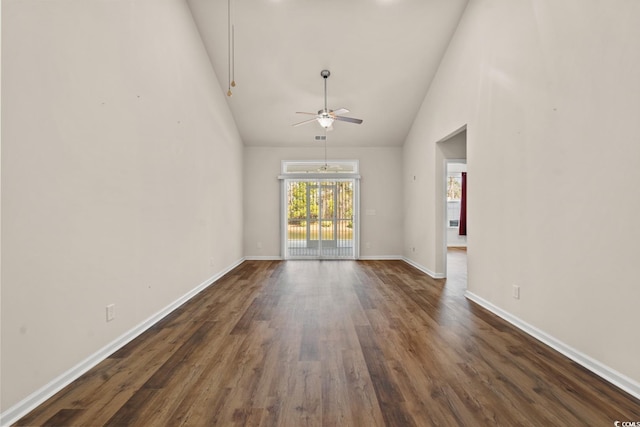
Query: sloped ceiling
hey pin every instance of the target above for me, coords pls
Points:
(382, 55)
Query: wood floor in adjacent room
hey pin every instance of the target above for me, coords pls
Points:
(335, 343)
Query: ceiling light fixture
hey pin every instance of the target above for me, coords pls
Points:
(325, 120)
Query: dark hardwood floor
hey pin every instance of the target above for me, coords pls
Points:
(335, 343)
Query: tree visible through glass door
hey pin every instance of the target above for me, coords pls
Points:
(320, 219)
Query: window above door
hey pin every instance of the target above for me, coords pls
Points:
(319, 166)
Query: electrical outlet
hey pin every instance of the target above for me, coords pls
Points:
(516, 291)
(111, 312)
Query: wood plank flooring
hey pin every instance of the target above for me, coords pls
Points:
(335, 343)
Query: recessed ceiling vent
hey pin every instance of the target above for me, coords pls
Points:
(321, 137)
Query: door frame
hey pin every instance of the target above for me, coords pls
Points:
(440, 223)
(285, 179)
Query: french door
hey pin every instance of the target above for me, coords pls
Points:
(320, 218)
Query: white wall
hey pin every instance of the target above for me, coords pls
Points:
(380, 190)
(121, 176)
(551, 96)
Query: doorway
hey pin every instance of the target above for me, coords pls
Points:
(455, 221)
(320, 219)
(451, 154)
(455, 224)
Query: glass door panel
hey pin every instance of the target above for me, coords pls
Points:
(320, 219)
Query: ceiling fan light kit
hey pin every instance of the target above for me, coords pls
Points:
(325, 121)
(326, 117)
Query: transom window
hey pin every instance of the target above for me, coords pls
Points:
(310, 167)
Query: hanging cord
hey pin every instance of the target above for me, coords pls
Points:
(326, 165)
(233, 55)
(229, 35)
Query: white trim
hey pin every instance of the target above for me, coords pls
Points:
(424, 269)
(611, 375)
(285, 163)
(356, 217)
(263, 258)
(36, 398)
(317, 176)
(284, 213)
(381, 258)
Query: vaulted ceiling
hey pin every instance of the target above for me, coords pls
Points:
(382, 55)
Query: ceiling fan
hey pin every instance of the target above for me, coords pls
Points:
(326, 117)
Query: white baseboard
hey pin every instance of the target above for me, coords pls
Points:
(424, 269)
(380, 257)
(614, 377)
(36, 398)
(364, 258)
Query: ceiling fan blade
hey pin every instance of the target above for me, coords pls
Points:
(339, 111)
(303, 112)
(304, 123)
(348, 119)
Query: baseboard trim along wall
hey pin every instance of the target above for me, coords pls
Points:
(424, 269)
(380, 258)
(32, 401)
(363, 258)
(614, 377)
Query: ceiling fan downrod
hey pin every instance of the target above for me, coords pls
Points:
(325, 75)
